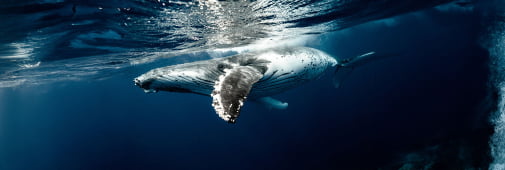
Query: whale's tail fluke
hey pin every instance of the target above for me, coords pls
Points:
(340, 74)
(346, 66)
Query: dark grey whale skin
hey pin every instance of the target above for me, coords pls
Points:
(175, 78)
(160, 79)
(230, 80)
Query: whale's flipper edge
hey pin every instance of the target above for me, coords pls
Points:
(231, 90)
(272, 103)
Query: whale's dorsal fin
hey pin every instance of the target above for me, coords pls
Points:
(231, 90)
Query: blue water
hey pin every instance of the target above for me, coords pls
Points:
(67, 100)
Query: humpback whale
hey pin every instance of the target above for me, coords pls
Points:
(255, 75)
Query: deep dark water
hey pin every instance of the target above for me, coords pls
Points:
(425, 100)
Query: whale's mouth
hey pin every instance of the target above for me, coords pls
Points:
(137, 82)
(145, 85)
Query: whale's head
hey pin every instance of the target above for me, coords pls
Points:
(187, 78)
(148, 82)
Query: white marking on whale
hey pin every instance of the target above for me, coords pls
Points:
(230, 80)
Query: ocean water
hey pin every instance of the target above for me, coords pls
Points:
(67, 99)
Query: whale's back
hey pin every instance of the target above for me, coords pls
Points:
(290, 67)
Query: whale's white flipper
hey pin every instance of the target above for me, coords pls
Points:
(256, 75)
(231, 90)
(272, 103)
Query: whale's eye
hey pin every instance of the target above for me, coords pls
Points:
(221, 67)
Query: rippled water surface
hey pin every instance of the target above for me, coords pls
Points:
(104, 36)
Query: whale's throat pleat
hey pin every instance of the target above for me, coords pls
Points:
(231, 90)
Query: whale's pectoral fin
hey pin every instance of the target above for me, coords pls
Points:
(272, 103)
(231, 90)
